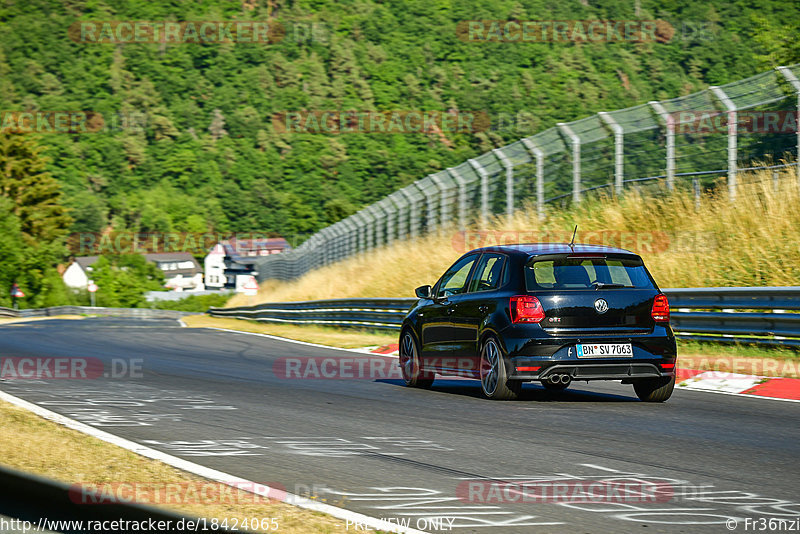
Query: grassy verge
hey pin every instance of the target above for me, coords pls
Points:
(12, 320)
(334, 337)
(748, 242)
(32, 444)
(742, 359)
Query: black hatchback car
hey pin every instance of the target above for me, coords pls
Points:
(544, 312)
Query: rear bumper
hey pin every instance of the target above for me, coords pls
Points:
(654, 355)
(594, 371)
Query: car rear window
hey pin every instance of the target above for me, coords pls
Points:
(585, 273)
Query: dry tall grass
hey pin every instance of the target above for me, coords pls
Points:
(752, 241)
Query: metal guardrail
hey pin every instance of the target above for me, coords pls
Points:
(693, 316)
(386, 314)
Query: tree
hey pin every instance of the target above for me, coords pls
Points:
(35, 194)
(124, 279)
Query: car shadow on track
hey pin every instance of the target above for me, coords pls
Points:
(530, 392)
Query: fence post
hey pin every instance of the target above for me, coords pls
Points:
(324, 245)
(351, 237)
(509, 180)
(336, 245)
(618, 149)
(430, 218)
(361, 227)
(539, 155)
(377, 217)
(444, 213)
(484, 189)
(413, 212)
(391, 219)
(669, 123)
(401, 227)
(576, 160)
(732, 127)
(462, 198)
(790, 77)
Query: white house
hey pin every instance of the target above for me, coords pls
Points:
(181, 271)
(232, 260)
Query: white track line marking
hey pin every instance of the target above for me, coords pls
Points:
(206, 472)
(289, 340)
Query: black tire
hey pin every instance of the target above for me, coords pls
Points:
(549, 386)
(654, 389)
(409, 363)
(494, 379)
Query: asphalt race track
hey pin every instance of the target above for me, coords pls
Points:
(388, 451)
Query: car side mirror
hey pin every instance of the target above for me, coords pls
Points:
(423, 292)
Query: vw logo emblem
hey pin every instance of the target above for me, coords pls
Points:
(601, 305)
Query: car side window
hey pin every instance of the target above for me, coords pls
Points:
(488, 274)
(453, 281)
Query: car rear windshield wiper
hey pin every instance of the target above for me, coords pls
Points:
(603, 285)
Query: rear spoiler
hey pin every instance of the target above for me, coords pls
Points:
(634, 259)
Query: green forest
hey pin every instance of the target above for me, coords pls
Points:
(187, 141)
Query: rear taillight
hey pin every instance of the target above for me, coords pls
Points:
(660, 311)
(525, 309)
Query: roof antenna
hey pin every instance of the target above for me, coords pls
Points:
(572, 242)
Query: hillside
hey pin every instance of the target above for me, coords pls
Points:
(189, 144)
(181, 136)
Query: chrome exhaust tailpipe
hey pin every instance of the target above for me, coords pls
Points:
(554, 379)
(566, 379)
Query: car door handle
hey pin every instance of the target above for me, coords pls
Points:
(450, 310)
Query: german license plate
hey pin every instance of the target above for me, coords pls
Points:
(605, 350)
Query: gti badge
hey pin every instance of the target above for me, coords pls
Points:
(601, 305)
